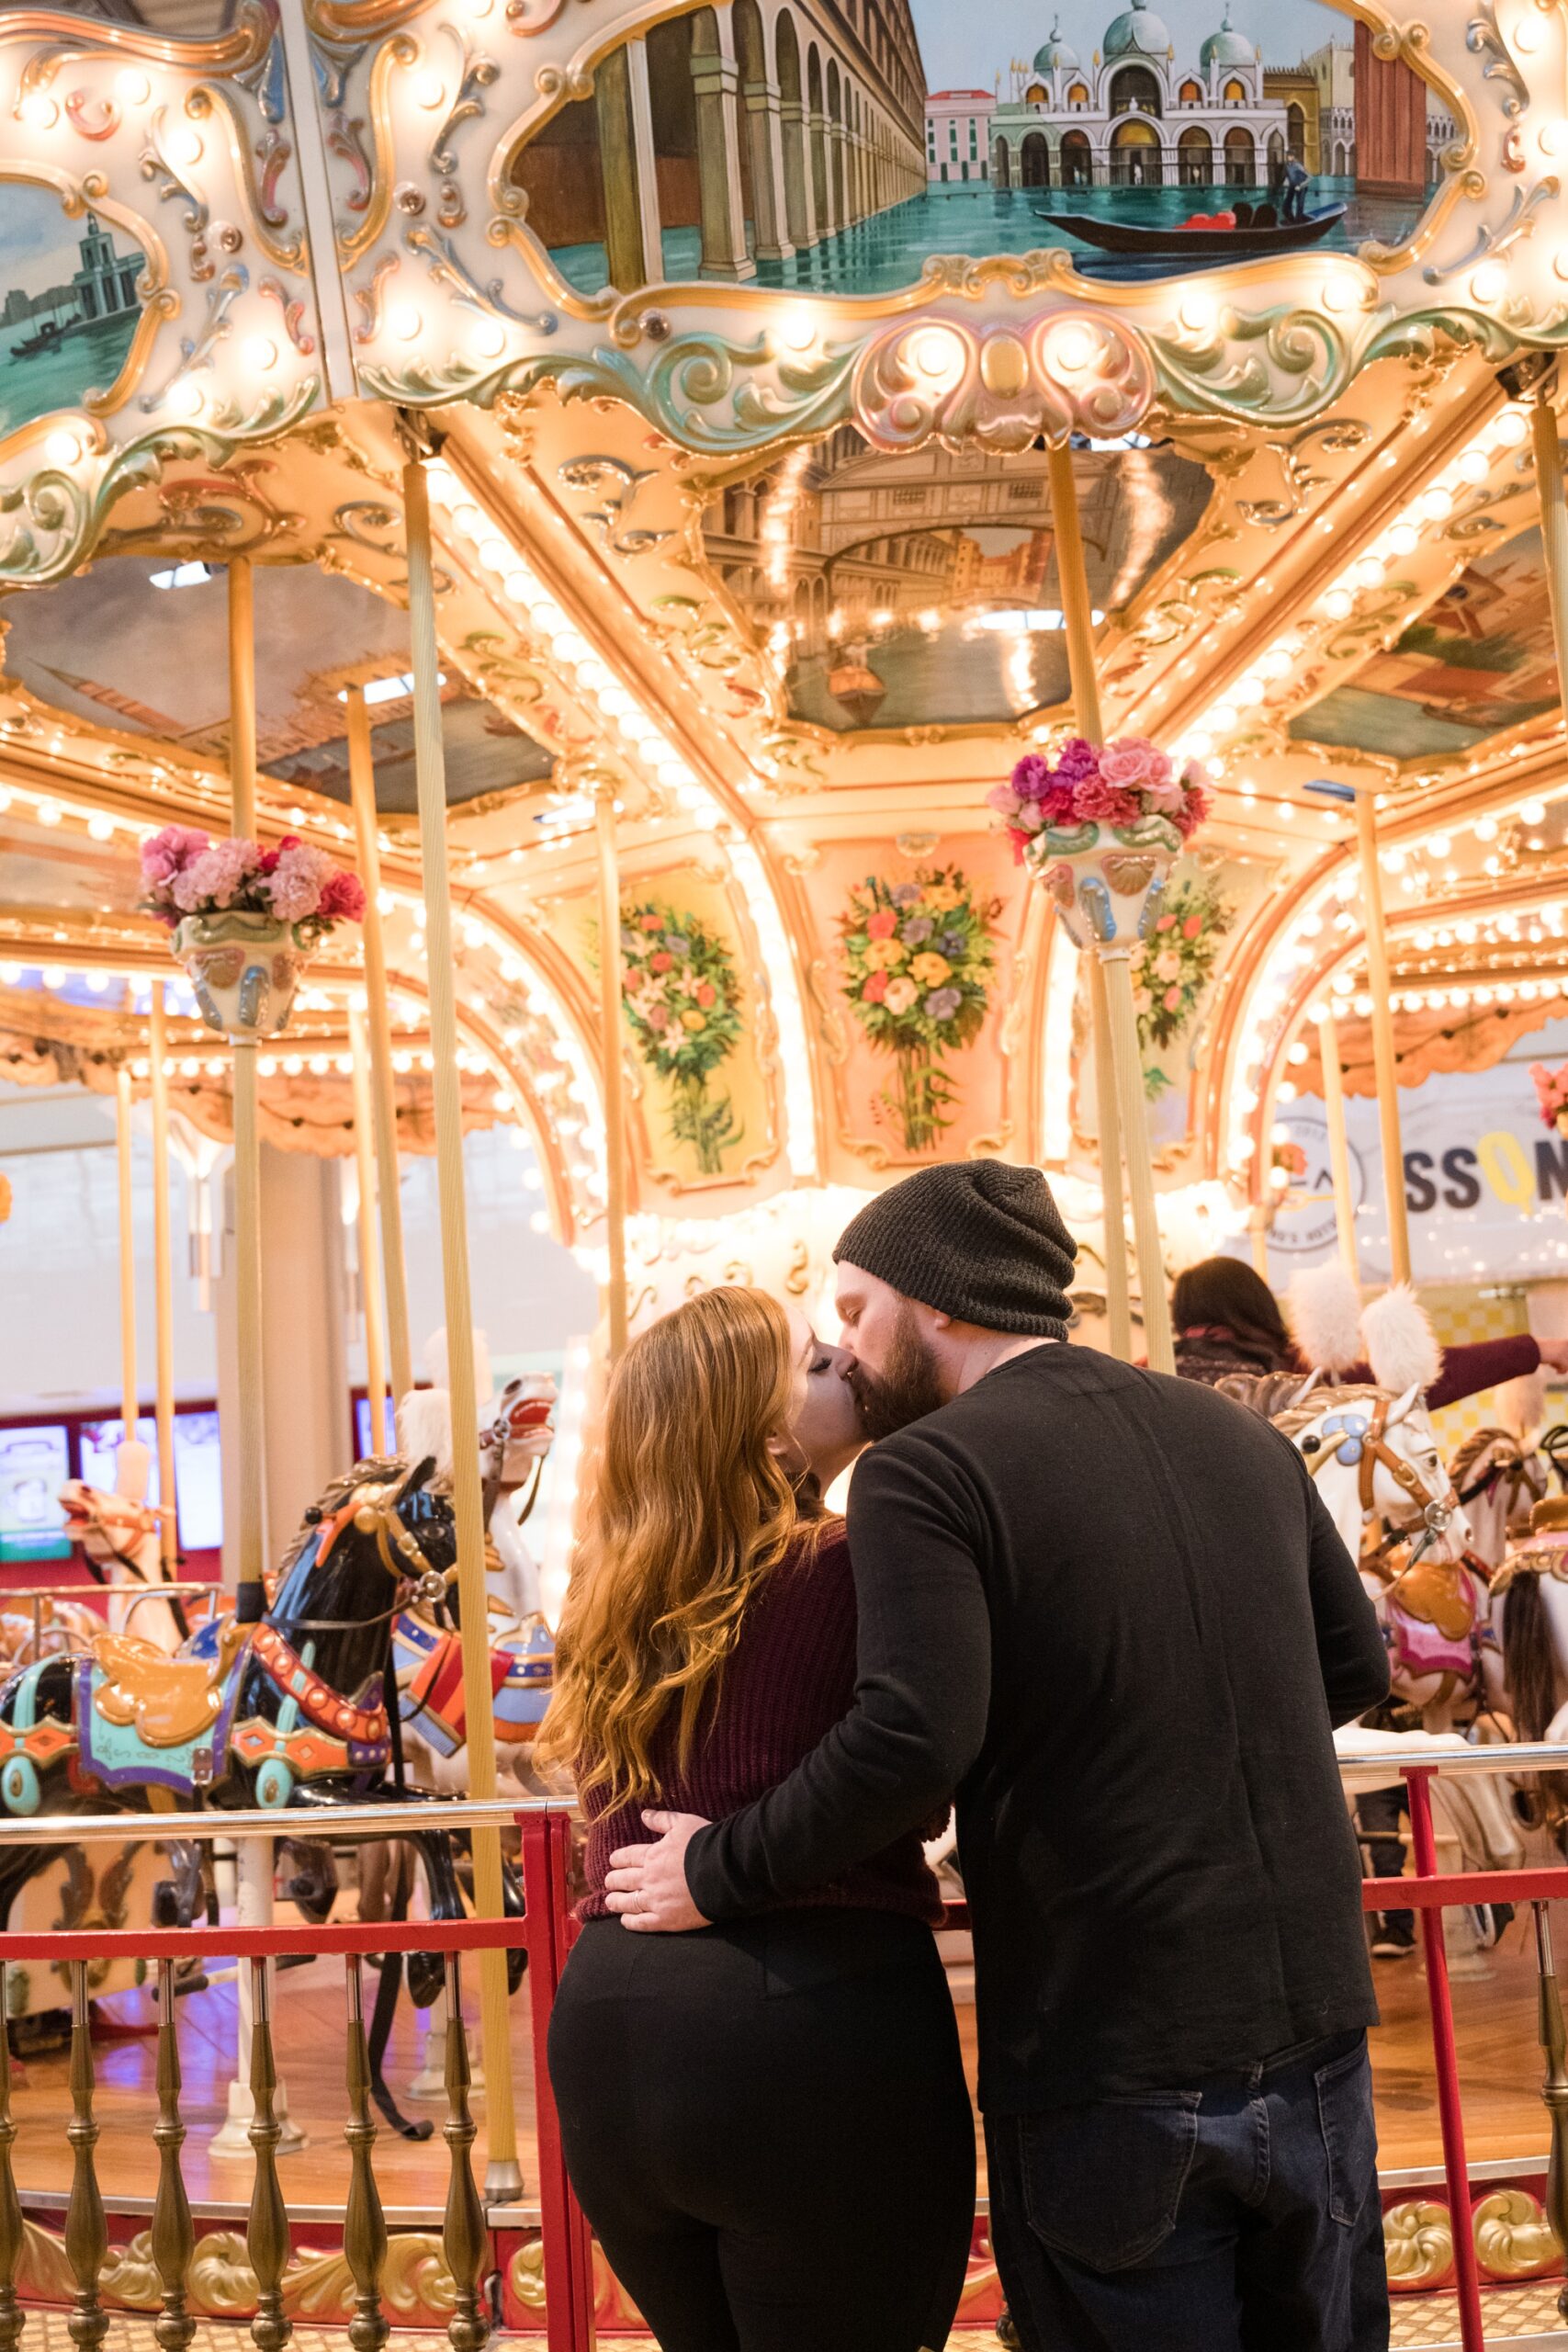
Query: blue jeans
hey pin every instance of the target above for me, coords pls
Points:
(1239, 2216)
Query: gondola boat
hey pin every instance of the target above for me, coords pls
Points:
(1186, 243)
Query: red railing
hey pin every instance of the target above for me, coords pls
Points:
(545, 1933)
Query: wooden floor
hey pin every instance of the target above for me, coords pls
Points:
(1499, 2062)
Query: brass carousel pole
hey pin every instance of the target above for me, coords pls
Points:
(1385, 1061)
(131, 1464)
(369, 1257)
(504, 2177)
(378, 1026)
(1338, 1137)
(1117, 1061)
(610, 972)
(163, 1281)
(1553, 520)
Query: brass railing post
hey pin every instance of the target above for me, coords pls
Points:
(11, 2235)
(267, 2232)
(1554, 2088)
(87, 2231)
(174, 2239)
(463, 2230)
(363, 2225)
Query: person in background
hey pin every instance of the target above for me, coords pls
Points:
(1228, 1320)
(767, 2122)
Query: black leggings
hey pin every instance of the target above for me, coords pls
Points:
(768, 2127)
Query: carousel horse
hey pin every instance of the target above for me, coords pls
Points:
(1498, 1479)
(1528, 1665)
(121, 1545)
(283, 1710)
(427, 1636)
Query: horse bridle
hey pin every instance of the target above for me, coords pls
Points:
(374, 1511)
(1436, 1511)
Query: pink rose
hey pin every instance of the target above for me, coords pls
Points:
(1193, 926)
(215, 877)
(876, 989)
(1193, 811)
(297, 880)
(1128, 762)
(170, 852)
(1166, 922)
(1032, 818)
(343, 898)
(1163, 794)
(1004, 799)
(1172, 999)
(880, 926)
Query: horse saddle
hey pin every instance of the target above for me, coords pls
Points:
(1438, 1592)
(169, 1701)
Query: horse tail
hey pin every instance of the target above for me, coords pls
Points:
(1530, 1671)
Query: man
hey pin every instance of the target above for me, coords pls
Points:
(1110, 1610)
(1298, 179)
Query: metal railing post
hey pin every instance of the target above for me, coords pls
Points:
(1445, 2058)
(568, 2251)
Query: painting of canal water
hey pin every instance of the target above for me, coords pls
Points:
(69, 302)
(838, 149)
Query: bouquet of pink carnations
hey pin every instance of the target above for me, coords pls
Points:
(1552, 1093)
(186, 873)
(1128, 785)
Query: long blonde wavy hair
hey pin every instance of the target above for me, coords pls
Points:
(692, 1510)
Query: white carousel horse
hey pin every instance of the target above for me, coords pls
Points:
(1374, 1457)
(121, 1539)
(427, 1652)
(1527, 1666)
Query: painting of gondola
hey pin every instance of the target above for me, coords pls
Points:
(837, 149)
(70, 300)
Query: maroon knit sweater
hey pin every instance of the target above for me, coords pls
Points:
(789, 1678)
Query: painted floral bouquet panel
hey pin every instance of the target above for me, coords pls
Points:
(919, 959)
(1174, 964)
(682, 1001)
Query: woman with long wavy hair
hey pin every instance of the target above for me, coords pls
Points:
(766, 2123)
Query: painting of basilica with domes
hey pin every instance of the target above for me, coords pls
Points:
(1133, 112)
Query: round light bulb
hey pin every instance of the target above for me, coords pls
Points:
(134, 86)
(64, 447)
(1489, 283)
(186, 398)
(404, 321)
(1511, 430)
(430, 90)
(1337, 604)
(938, 354)
(261, 352)
(489, 338)
(1471, 465)
(39, 111)
(185, 147)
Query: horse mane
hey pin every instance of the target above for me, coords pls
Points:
(1294, 1421)
(376, 1470)
(1468, 1459)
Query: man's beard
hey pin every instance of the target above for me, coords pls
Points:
(908, 1386)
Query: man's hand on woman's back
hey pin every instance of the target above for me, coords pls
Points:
(646, 1885)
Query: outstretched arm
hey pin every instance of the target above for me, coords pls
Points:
(918, 1717)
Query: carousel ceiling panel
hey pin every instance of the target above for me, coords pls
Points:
(921, 589)
(113, 647)
(1478, 663)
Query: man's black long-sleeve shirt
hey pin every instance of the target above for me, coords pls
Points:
(1110, 1610)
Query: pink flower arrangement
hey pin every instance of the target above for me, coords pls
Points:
(1120, 784)
(186, 873)
(1552, 1091)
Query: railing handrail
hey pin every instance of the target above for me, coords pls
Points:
(1506, 1756)
(356, 1821)
(109, 1591)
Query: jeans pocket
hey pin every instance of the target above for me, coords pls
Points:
(1349, 2133)
(1103, 2184)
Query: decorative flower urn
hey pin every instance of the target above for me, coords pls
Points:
(1106, 881)
(243, 969)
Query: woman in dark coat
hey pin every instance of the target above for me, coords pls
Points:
(1228, 1320)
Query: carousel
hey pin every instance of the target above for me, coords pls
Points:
(598, 660)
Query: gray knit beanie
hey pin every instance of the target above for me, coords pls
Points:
(978, 1240)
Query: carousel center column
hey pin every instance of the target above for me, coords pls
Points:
(504, 2177)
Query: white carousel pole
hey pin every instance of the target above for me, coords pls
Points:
(254, 1859)
(1120, 1023)
(610, 971)
(162, 1283)
(370, 1256)
(383, 1090)
(1077, 617)
(1339, 1137)
(504, 2177)
(1385, 1060)
(132, 1462)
